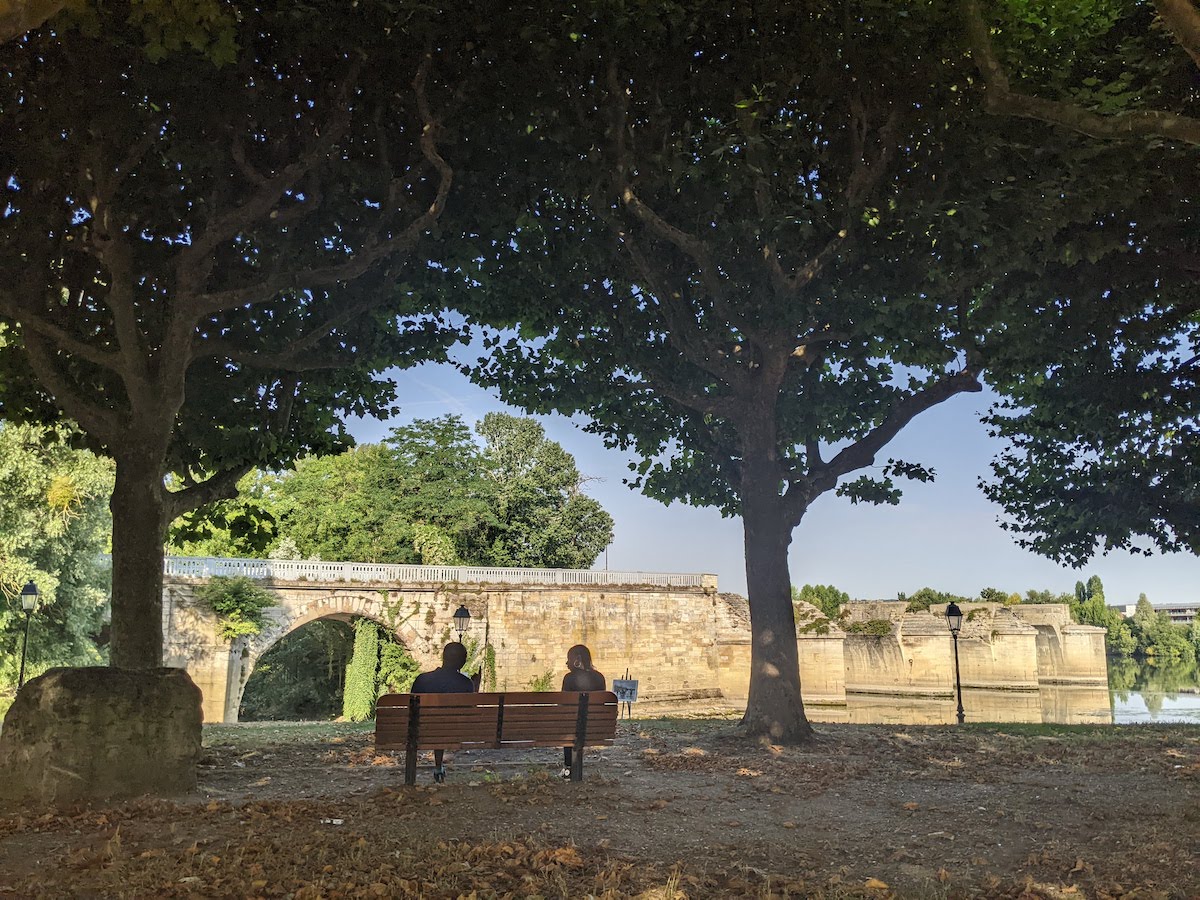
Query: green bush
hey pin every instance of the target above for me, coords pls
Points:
(874, 627)
(543, 682)
(358, 698)
(488, 682)
(238, 603)
(397, 669)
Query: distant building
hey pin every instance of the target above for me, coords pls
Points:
(1180, 613)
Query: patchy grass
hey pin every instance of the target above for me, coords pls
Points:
(256, 735)
(1148, 731)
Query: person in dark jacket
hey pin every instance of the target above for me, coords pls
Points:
(581, 676)
(446, 679)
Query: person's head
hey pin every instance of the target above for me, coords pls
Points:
(454, 656)
(579, 657)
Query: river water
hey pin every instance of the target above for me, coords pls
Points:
(1136, 692)
(1143, 693)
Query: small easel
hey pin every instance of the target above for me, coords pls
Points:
(626, 691)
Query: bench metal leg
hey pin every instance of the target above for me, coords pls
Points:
(410, 767)
(410, 744)
(580, 738)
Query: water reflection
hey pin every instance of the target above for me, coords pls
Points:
(1143, 692)
(1061, 704)
(1137, 692)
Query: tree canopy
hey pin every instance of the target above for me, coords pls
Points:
(754, 272)
(1101, 413)
(207, 286)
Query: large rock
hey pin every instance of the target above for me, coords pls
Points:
(101, 733)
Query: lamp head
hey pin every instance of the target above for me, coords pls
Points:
(462, 618)
(29, 597)
(954, 618)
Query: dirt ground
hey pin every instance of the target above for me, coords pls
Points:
(677, 808)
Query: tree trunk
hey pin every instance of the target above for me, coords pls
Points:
(774, 708)
(139, 532)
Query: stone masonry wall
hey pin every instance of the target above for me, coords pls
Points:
(680, 644)
(665, 638)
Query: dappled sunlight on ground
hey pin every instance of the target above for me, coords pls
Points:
(678, 808)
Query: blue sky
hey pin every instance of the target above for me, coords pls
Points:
(942, 535)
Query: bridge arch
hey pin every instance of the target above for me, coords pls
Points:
(344, 605)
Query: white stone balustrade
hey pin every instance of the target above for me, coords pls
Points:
(371, 573)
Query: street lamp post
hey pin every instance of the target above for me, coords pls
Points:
(29, 596)
(954, 619)
(462, 620)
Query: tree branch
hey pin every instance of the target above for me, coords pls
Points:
(689, 244)
(221, 486)
(365, 258)
(1002, 100)
(864, 176)
(862, 452)
(690, 398)
(680, 318)
(196, 260)
(1183, 18)
(293, 355)
(111, 248)
(106, 425)
(63, 340)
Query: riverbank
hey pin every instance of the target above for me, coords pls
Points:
(678, 808)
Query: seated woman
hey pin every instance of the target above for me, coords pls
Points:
(580, 677)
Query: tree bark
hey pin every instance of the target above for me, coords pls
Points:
(774, 708)
(139, 533)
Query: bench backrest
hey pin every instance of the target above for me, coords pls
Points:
(495, 720)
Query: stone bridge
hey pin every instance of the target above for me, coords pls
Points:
(674, 633)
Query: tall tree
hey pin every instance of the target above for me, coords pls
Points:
(546, 518)
(756, 272)
(205, 286)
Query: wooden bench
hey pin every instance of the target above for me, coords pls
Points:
(507, 721)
